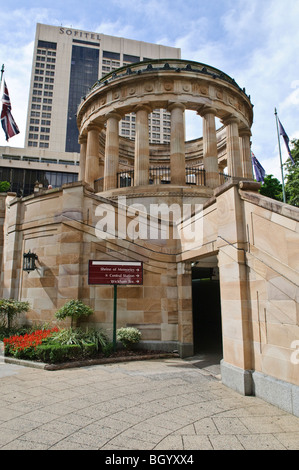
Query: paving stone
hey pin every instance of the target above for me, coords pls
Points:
(264, 441)
(197, 443)
(153, 405)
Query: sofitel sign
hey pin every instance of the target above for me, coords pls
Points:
(79, 34)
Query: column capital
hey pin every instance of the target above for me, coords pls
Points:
(113, 115)
(230, 120)
(207, 110)
(143, 107)
(176, 105)
(94, 127)
(245, 131)
(82, 139)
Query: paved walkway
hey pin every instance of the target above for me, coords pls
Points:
(169, 404)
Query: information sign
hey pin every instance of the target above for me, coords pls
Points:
(115, 273)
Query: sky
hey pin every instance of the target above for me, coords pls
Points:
(255, 42)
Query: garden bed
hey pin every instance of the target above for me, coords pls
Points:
(116, 357)
(54, 349)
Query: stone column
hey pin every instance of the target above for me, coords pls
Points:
(111, 151)
(210, 154)
(92, 168)
(233, 147)
(245, 148)
(235, 297)
(177, 144)
(141, 173)
(82, 165)
(185, 316)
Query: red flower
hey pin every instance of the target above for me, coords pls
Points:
(32, 340)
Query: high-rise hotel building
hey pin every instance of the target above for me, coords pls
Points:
(66, 63)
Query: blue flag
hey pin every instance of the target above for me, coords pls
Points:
(286, 140)
(258, 169)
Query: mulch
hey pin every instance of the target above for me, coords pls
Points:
(115, 357)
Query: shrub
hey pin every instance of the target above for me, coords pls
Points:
(108, 349)
(82, 338)
(89, 349)
(73, 309)
(9, 309)
(55, 353)
(56, 345)
(128, 336)
(4, 186)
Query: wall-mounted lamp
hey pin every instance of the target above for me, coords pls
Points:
(29, 261)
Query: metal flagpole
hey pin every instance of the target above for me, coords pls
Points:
(281, 165)
(2, 72)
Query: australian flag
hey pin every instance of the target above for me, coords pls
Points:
(7, 121)
(286, 139)
(258, 169)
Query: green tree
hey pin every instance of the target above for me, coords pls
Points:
(73, 309)
(272, 188)
(292, 176)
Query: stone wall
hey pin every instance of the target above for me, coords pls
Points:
(255, 240)
(59, 226)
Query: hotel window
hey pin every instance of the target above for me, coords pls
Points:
(44, 145)
(32, 144)
(47, 45)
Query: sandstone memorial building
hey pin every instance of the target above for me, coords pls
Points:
(219, 261)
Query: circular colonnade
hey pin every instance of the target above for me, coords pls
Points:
(176, 86)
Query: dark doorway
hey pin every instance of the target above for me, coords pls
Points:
(207, 329)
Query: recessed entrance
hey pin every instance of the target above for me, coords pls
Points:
(207, 328)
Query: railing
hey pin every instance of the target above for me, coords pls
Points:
(161, 175)
(195, 176)
(224, 178)
(125, 179)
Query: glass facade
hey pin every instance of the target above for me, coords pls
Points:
(23, 180)
(84, 73)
